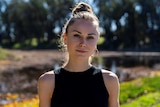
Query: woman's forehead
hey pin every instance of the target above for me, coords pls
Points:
(84, 23)
(83, 26)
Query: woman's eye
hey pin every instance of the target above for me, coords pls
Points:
(76, 35)
(90, 37)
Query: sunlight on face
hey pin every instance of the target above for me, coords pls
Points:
(82, 38)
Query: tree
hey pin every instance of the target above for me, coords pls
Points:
(2, 6)
(24, 20)
(34, 19)
(58, 13)
(129, 24)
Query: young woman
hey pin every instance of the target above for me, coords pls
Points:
(78, 83)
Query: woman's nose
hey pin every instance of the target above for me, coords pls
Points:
(83, 42)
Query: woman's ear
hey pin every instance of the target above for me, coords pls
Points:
(65, 38)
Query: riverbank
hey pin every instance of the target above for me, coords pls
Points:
(20, 74)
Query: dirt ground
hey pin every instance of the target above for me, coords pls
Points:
(20, 73)
(23, 59)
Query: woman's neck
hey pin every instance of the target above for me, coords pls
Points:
(77, 65)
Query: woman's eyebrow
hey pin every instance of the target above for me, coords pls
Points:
(81, 33)
(77, 31)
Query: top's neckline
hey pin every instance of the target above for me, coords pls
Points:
(88, 71)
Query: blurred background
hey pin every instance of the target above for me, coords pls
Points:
(129, 46)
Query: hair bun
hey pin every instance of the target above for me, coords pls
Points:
(82, 7)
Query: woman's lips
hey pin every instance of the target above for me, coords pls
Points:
(81, 51)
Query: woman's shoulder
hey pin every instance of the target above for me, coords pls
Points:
(109, 76)
(47, 77)
(46, 84)
(111, 82)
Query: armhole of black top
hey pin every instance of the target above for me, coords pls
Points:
(55, 71)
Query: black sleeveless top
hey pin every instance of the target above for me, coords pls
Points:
(79, 89)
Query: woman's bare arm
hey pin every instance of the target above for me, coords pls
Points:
(45, 89)
(112, 84)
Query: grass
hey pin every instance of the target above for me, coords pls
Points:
(148, 100)
(142, 92)
(3, 54)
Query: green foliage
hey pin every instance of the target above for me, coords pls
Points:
(34, 42)
(101, 40)
(3, 54)
(141, 92)
(98, 61)
(148, 100)
(16, 46)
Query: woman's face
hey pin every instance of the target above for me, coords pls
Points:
(81, 39)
